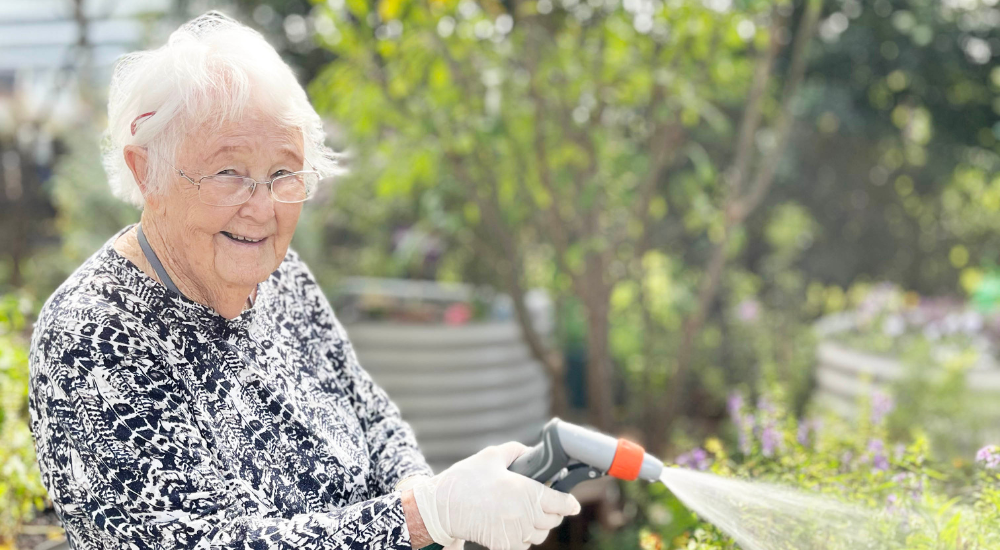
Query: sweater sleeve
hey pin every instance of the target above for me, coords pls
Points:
(121, 455)
(394, 452)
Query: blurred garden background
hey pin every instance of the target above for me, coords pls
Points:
(759, 237)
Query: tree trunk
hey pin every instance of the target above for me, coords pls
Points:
(549, 355)
(599, 390)
(647, 392)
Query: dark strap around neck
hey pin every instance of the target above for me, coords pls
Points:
(154, 261)
(158, 267)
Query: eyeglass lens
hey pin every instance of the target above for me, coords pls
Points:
(233, 190)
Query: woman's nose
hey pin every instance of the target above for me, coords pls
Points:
(261, 203)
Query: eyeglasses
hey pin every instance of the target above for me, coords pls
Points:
(224, 190)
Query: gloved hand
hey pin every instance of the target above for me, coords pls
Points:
(479, 500)
(408, 483)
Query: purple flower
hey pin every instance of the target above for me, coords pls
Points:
(802, 436)
(882, 405)
(770, 439)
(908, 480)
(744, 422)
(989, 457)
(846, 457)
(880, 463)
(748, 310)
(892, 502)
(735, 406)
(807, 427)
(876, 448)
(696, 459)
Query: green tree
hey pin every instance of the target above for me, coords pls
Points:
(572, 141)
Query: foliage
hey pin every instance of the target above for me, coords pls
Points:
(86, 214)
(899, 152)
(540, 137)
(21, 490)
(899, 165)
(763, 335)
(937, 505)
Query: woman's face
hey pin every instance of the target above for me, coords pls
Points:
(201, 236)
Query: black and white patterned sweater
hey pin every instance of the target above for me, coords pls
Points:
(160, 424)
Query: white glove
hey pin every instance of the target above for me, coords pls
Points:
(408, 483)
(479, 500)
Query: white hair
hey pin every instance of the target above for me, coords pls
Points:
(210, 71)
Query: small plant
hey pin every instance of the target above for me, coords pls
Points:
(21, 490)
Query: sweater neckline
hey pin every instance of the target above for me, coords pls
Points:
(159, 296)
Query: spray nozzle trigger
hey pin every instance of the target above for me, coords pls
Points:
(574, 474)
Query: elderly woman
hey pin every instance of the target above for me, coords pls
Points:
(191, 386)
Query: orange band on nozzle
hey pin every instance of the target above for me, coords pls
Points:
(627, 461)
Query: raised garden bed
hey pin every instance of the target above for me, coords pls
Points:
(846, 377)
(453, 359)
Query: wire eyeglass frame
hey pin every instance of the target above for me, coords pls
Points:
(310, 190)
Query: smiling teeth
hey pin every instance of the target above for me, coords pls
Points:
(244, 239)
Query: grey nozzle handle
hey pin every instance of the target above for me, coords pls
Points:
(546, 459)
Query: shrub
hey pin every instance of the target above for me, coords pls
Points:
(921, 504)
(21, 490)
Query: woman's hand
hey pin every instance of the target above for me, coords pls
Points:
(479, 500)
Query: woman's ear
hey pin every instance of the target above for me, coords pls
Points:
(137, 160)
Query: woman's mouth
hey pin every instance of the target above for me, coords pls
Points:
(242, 239)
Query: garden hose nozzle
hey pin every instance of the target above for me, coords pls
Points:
(569, 454)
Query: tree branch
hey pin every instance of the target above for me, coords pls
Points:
(736, 216)
(663, 151)
(796, 72)
(507, 247)
(753, 113)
